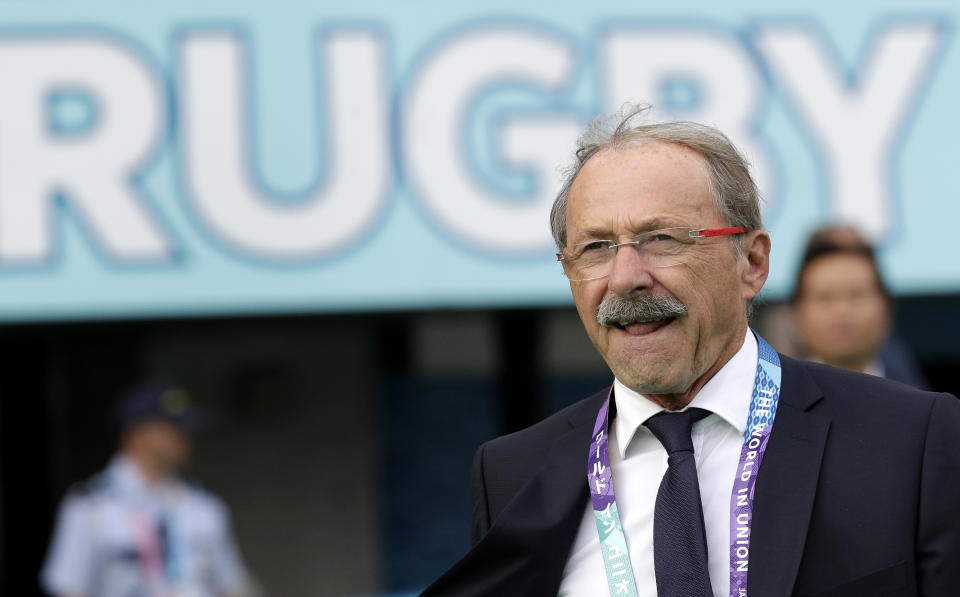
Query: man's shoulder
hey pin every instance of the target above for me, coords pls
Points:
(540, 436)
(201, 500)
(93, 487)
(506, 463)
(862, 394)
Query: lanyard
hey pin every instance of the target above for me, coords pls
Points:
(149, 549)
(158, 554)
(613, 543)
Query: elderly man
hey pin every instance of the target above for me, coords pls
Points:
(713, 465)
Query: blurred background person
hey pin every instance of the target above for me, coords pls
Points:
(136, 529)
(843, 311)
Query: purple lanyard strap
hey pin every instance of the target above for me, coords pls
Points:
(613, 543)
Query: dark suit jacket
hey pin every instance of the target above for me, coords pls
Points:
(858, 495)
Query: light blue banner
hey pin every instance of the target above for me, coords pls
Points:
(209, 158)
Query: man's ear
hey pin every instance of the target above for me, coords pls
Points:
(755, 262)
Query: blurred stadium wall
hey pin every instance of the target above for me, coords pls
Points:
(330, 222)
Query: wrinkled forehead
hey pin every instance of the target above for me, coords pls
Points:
(641, 187)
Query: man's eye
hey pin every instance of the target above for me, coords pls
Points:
(664, 237)
(596, 245)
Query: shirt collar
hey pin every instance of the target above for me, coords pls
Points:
(127, 477)
(875, 367)
(727, 394)
(125, 474)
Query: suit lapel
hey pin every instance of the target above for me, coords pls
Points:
(547, 511)
(526, 549)
(553, 504)
(786, 485)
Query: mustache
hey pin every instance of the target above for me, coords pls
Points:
(639, 309)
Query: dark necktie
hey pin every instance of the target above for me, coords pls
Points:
(679, 539)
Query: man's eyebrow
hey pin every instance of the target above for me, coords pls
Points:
(597, 234)
(649, 225)
(605, 233)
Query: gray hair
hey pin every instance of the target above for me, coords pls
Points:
(731, 185)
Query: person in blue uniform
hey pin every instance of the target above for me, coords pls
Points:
(135, 529)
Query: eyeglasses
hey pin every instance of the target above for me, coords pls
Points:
(667, 247)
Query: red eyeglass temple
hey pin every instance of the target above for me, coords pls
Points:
(708, 232)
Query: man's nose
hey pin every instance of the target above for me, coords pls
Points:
(629, 272)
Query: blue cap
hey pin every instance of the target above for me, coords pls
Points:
(159, 399)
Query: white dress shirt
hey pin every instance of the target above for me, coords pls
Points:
(105, 534)
(639, 462)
